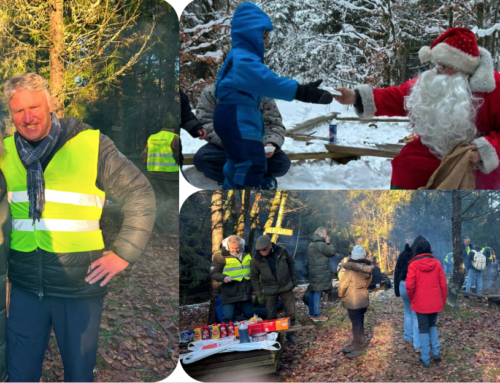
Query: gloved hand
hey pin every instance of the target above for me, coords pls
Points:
(310, 93)
(261, 299)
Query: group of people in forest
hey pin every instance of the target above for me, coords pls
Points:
(458, 149)
(419, 280)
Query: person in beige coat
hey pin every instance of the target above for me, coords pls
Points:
(353, 290)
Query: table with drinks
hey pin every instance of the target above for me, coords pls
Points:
(224, 366)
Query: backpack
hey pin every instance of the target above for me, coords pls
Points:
(479, 261)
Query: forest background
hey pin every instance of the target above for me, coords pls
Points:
(381, 222)
(344, 42)
(111, 63)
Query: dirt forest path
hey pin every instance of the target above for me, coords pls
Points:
(470, 345)
(138, 334)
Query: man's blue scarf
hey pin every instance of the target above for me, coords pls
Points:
(32, 159)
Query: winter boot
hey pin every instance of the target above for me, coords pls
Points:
(425, 357)
(291, 337)
(269, 183)
(434, 341)
(355, 354)
(348, 349)
(426, 365)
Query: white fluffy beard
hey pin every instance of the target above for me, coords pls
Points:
(442, 111)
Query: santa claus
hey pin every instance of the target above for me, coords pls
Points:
(458, 100)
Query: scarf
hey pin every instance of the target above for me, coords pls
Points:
(32, 159)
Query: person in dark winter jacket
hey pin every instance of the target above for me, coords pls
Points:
(58, 173)
(353, 291)
(242, 82)
(318, 254)
(231, 268)
(210, 159)
(411, 333)
(427, 290)
(466, 248)
(188, 120)
(5, 222)
(274, 267)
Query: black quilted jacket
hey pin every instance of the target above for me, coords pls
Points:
(63, 275)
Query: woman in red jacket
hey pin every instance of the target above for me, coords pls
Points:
(427, 291)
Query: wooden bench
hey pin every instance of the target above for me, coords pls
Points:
(235, 366)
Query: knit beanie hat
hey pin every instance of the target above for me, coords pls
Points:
(357, 253)
(457, 48)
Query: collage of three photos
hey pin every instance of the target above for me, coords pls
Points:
(346, 157)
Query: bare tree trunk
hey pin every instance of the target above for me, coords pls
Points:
(450, 13)
(281, 213)
(245, 204)
(234, 215)
(56, 62)
(274, 209)
(254, 214)
(216, 242)
(404, 65)
(457, 279)
(227, 211)
(480, 20)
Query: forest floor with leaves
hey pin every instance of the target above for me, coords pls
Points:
(470, 345)
(138, 338)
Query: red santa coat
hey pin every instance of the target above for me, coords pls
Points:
(414, 165)
(426, 284)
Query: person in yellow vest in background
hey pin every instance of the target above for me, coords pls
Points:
(161, 155)
(231, 268)
(58, 174)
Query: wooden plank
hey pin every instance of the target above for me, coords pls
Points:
(296, 328)
(195, 367)
(353, 151)
(233, 368)
(491, 297)
(233, 356)
(312, 122)
(239, 375)
(377, 119)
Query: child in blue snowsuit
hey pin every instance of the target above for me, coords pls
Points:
(241, 84)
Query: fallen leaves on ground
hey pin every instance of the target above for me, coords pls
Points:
(138, 338)
(470, 345)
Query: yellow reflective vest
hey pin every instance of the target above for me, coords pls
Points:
(73, 203)
(448, 258)
(160, 154)
(238, 270)
(491, 253)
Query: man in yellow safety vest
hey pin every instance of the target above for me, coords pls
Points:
(58, 173)
(162, 157)
(231, 268)
(490, 260)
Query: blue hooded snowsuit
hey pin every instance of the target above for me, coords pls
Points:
(241, 84)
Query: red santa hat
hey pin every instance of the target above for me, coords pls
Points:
(457, 48)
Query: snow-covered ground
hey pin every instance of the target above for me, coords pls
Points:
(366, 173)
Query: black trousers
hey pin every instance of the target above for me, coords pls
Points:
(426, 321)
(76, 325)
(357, 318)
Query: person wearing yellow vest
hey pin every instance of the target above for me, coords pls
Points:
(231, 268)
(58, 174)
(448, 263)
(465, 253)
(490, 260)
(161, 155)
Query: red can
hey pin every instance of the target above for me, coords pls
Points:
(223, 330)
(205, 332)
(230, 329)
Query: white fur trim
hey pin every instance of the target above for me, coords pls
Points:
(448, 55)
(483, 79)
(425, 54)
(369, 108)
(489, 158)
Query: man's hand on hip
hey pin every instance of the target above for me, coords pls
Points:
(107, 266)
